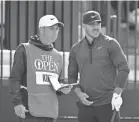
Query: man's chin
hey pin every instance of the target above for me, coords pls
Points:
(51, 42)
(95, 35)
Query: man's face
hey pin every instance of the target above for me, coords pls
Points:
(93, 30)
(51, 33)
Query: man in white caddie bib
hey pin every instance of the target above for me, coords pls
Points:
(36, 64)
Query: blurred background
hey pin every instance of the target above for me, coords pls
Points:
(19, 20)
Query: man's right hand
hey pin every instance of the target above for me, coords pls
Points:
(20, 111)
(83, 97)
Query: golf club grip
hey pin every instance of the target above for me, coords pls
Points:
(113, 116)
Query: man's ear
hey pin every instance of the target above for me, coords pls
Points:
(84, 27)
(41, 29)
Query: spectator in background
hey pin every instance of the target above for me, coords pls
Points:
(131, 12)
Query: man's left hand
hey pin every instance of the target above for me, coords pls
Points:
(116, 102)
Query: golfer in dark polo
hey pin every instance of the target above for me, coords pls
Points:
(103, 69)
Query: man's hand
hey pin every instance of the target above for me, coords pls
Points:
(20, 111)
(83, 97)
(116, 101)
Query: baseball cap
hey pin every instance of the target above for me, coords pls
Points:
(49, 20)
(91, 16)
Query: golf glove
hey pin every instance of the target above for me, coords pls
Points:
(116, 101)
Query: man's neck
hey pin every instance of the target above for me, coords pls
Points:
(90, 39)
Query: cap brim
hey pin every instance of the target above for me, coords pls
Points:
(94, 21)
(60, 24)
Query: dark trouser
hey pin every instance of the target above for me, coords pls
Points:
(101, 113)
(37, 119)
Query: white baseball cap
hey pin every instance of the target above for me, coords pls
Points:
(49, 20)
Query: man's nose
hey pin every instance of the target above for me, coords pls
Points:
(95, 27)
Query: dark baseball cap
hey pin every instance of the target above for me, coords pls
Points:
(91, 16)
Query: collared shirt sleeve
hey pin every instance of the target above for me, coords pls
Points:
(120, 62)
(17, 72)
(73, 66)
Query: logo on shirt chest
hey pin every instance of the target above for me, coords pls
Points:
(46, 63)
(99, 47)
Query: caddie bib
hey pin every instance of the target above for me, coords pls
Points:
(42, 99)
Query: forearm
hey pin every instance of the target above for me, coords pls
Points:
(77, 91)
(16, 99)
(121, 80)
(15, 92)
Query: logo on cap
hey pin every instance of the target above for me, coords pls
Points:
(93, 16)
(52, 18)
